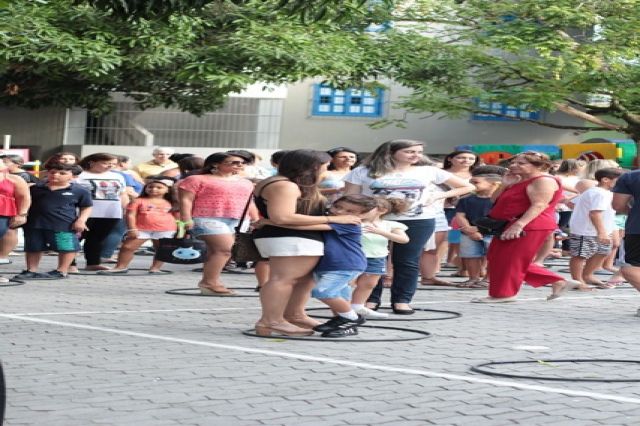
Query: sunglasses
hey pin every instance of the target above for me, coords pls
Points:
(234, 163)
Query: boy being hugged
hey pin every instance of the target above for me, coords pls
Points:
(58, 213)
(591, 225)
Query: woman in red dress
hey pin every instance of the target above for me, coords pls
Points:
(528, 200)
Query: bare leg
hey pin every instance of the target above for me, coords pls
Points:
(474, 266)
(632, 274)
(156, 265)
(8, 242)
(286, 274)
(364, 286)
(337, 305)
(544, 251)
(608, 262)
(295, 310)
(218, 254)
(591, 266)
(126, 253)
(576, 266)
(64, 261)
(262, 272)
(430, 262)
(33, 260)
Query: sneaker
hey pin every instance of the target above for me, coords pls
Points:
(344, 331)
(371, 314)
(239, 270)
(337, 322)
(55, 274)
(28, 275)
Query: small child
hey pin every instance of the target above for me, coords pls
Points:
(375, 244)
(59, 212)
(592, 223)
(343, 261)
(149, 217)
(474, 245)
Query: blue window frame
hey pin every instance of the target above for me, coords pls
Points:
(328, 101)
(500, 108)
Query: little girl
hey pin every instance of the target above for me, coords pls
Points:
(375, 243)
(149, 217)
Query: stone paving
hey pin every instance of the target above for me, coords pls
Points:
(97, 350)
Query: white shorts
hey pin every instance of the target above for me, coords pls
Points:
(289, 246)
(155, 235)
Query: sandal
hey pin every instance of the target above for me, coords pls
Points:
(436, 282)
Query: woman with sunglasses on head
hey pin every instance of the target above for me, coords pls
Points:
(211, 205)
(342, 161)
(527, 200)
(395, 170)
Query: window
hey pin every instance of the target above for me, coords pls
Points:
(328, 101)
(500, 108)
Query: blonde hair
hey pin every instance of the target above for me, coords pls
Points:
(594, 165)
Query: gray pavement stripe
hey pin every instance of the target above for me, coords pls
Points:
(410, 371)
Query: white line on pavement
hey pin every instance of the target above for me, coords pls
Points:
(362, 365)
(244, 308)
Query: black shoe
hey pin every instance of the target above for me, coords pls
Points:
(28, 275)
(338, 322)
(344, 331)
(402, 311)
(57, 275)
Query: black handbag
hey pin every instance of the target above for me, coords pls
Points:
(244, 248)
(490, 226)
(182, 251)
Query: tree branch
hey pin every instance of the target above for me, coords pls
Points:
(574, 112)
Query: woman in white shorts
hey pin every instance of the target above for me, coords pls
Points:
(211, 205)
(290, 199)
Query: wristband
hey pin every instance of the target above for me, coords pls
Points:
(129, 230)
(184, 222)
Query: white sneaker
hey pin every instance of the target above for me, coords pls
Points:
(4, 261)
(371, 314)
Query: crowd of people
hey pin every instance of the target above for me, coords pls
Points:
(334, 226)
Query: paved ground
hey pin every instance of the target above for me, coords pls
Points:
(119, 351)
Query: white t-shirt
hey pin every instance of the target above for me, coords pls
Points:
(592, 199)
(414, 186)
(106, 189)
(374, 245)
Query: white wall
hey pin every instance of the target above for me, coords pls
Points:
(300, 129)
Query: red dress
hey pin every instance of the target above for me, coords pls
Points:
(510, 261)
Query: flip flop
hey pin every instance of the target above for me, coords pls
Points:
(208, 291)
(436, 282)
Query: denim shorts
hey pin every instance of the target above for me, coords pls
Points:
(334, 284)
(213, 226)
(36, 240)
(376, 265)
(471, 249)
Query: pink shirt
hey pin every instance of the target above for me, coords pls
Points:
(216, 197)
(153, 217)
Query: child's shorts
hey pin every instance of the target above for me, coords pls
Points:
(213, 226)
(36, 240)
(470, 249)
(334, 284)
(586, 246)
(376, 265)
(155, 235)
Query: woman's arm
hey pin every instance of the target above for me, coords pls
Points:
(459, 187)
(540, 193)
(282, 198)
(352, 188)
(185, 200)
(22, 196)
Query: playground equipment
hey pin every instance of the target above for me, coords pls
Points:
(624, 151)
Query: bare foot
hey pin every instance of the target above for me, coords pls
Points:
(559, 288)
(303, 321)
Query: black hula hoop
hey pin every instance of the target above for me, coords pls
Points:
(138, 272)
(480, 369)
(422, 335)
(196, 292)
(12, 283)
(451, 315)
